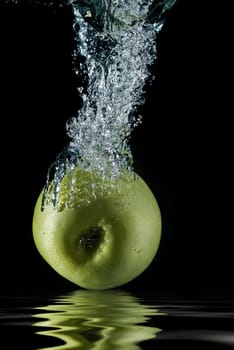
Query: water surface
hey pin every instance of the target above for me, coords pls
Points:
(116, 320)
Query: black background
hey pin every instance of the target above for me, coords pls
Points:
(183, 148)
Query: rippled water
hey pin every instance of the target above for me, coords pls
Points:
(116, 320)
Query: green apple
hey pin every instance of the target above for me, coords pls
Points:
(104, 235)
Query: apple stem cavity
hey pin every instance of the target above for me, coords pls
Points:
(91, 238)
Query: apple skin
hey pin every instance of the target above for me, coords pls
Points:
(105, 243)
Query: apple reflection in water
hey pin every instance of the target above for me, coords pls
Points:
(97, 320)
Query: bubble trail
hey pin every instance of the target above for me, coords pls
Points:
(115, 47)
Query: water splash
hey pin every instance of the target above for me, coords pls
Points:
(115, 47)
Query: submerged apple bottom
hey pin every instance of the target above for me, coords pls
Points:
(104, 244)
